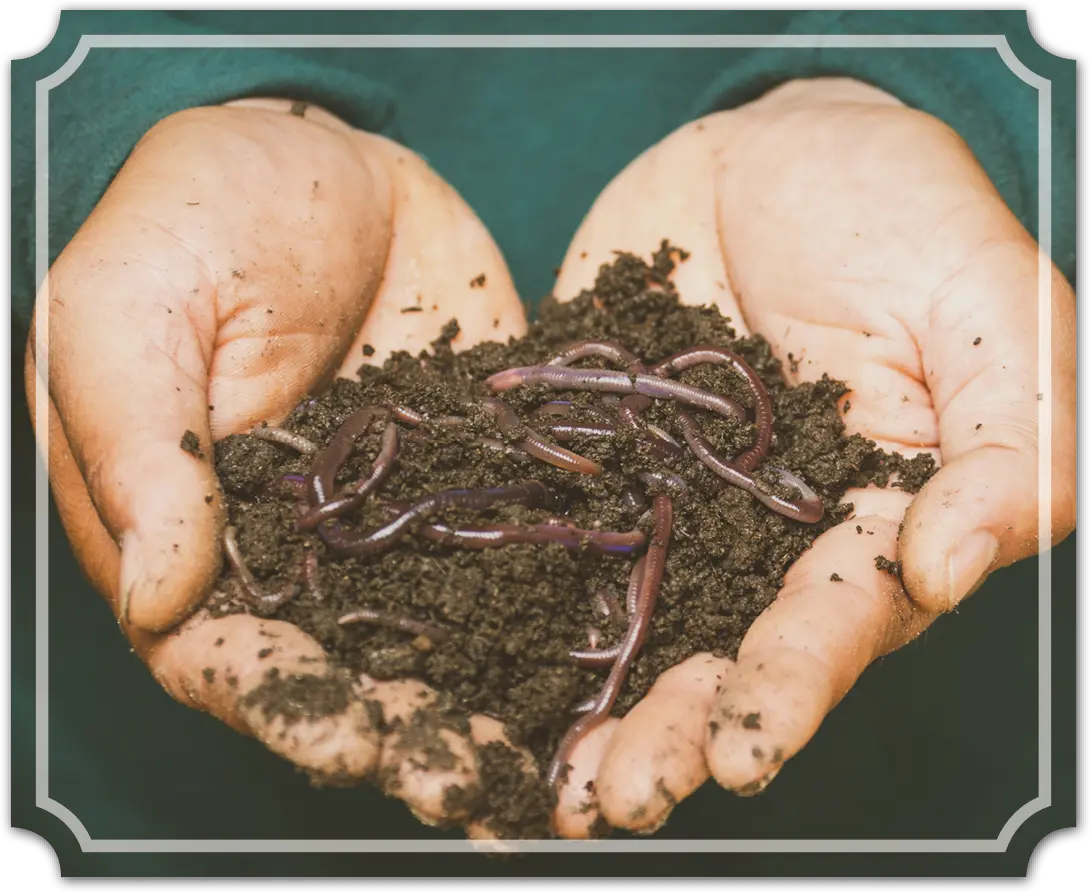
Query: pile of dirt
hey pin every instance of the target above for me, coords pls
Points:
(514, 613)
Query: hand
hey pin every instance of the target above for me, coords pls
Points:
(863, 239)
(242, 258)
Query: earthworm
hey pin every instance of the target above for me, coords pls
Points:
(328, 461)
(556, 530)
(564, 431)
(408, 416)
(413, 418)
(762, 402)
(310, 574)
(354, 494)
(807, 509)
(607, 381)
(358, 543)
(534, 444)
(265, 602)
(596, 657)
(811, 508)
(561, 378)
(606, 349)
(393, 621)
(584, 705)
(284, 437)
(635, 581)
(594, 637)
(654, 566)
(572, 538)
(668, 389)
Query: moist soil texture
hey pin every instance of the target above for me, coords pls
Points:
(512, 614)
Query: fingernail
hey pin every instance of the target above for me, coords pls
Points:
(757, 786)
(131, 572)
(969, 563)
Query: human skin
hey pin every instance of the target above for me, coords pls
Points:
(856, 234)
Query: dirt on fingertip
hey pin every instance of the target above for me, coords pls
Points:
(507, 617)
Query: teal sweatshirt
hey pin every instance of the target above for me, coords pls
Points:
(529, 138)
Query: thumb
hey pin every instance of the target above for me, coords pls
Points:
(178, 284)
(126, 367)
(998, 407)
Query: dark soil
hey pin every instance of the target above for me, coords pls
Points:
(515, 612)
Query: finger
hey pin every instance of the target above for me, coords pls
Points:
(426, 752)
(270, 679)
(836, 613)
(577, 808)
(488, 732)
(94, 549)
(143, 298)
(430, 754)
(665, 193)
(140, 482)
(982, 510)
(442, 265)
(657, 756)
(430, 760)
(92, 546)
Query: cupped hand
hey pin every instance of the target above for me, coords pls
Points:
(863, 240)
(240, 260)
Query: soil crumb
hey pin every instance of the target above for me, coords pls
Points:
(883, 563)
(511, 615)
(191, 443)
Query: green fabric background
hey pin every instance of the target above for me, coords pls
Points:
(937, 741)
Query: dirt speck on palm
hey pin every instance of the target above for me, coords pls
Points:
(514, 613)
